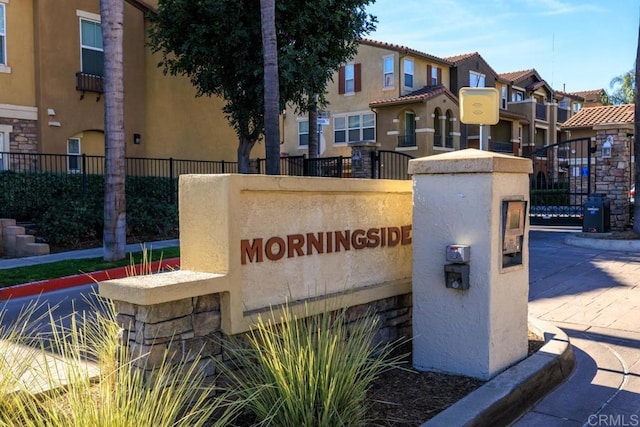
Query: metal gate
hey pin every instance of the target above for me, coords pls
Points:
(563, 176)
(390, 165)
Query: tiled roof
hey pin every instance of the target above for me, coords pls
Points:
(574, 95)
(423, 94)
(516, 75)
(590, 116)
(403, 49)
(455, 60)
(588, 93)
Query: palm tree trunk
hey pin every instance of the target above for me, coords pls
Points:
(636, 142)
(271, 86)
(115, 223)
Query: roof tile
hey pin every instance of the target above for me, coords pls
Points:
(591, 116)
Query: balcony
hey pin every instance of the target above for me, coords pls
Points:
(563, 115)
(541, 111)
(89, 82)
(407, 140)
(501, 147)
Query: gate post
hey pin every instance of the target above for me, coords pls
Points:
(470, 307)
(361, 164)
(613, 175)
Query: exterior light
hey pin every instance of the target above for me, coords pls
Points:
(607, 147)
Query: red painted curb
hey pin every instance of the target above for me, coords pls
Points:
(36, 288)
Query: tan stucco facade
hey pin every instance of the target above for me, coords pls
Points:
(371, 56)
(39, 88)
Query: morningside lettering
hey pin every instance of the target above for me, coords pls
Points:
(295, 245)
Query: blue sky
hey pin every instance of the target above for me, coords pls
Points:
(581, 44)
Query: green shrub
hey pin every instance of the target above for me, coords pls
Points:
(68, 208)
(313, 371)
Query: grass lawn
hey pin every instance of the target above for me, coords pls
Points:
(19, 275)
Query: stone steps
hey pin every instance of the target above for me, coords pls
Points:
(15, 243)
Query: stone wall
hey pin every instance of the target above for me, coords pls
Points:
(192, 326)
(24, 137)
(613, 175)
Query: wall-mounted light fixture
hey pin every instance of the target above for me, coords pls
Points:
(607, 147)
(137, 138)
(356, 159)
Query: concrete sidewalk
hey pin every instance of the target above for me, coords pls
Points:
(593, 295)
(80, 254)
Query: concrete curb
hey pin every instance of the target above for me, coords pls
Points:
(510, 394)
(43, 286)
(603, 244)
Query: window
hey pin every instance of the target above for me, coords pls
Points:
(577, 106)
(437, 127)
(434, 75)
(356, 127)
(476, 79)
(3, 37)
(388, 72)
(4, 146)
(92, 58)
(409, 137)
(73, 151)
(408, 73)
(349, 79)
(504, 97)
(303, 133)
(517, 96)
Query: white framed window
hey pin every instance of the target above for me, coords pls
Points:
(354, 127)
(577, 106)
(517, 96)
(504, 97)
(476, 79)
(73, 155)
(434, 76)
(349, 78)
(91, 49)
(303, 133)
(5, 130)
(408, 73)
(388, 78)
(3, 35)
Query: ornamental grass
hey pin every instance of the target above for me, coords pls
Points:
(312, 370)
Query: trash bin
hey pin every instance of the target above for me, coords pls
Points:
(596, 214)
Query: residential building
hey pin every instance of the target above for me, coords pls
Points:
(389, 94)
(51, 100)
(582, 123)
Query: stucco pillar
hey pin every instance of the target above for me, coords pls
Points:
(458, 199)
(613, 175)
(361, 159)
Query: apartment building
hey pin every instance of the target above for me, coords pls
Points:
(392, 95)
(51, 71)
(407, 101)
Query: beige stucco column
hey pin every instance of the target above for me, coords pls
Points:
(459, 198)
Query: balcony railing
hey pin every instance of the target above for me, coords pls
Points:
(541, 111)
(501, 147)
(89, 82)
(563, 115)
(407, 140)
(448, 142)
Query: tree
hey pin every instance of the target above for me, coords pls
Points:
(217, 44)
(334, 42)
(115, 230)
(271, 86)
(622, 89)
(636, 141)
